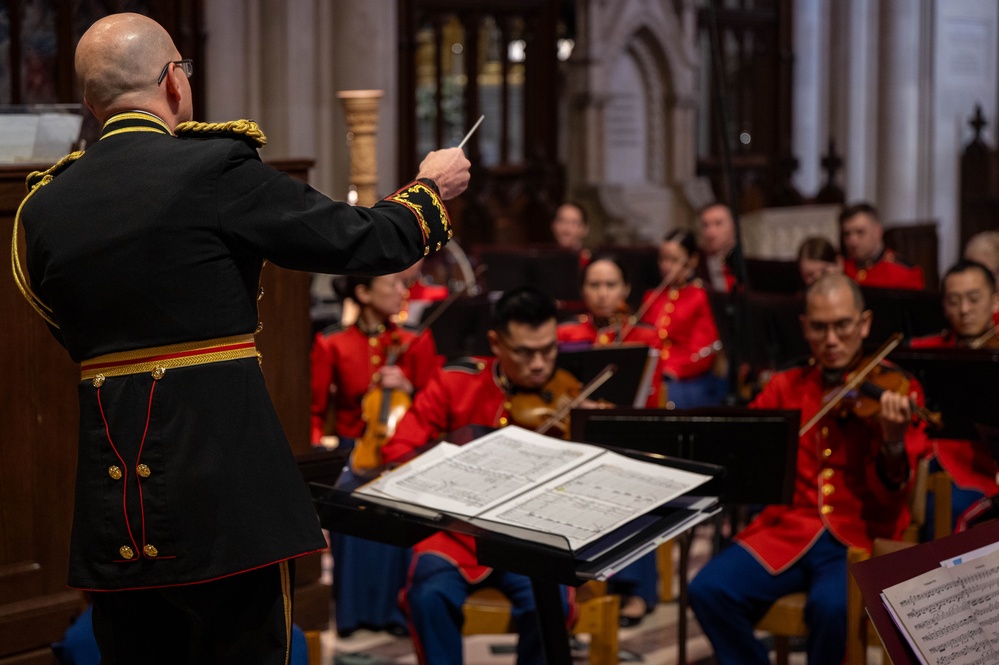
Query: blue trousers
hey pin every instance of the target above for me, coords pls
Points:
(704, 390)
(435, 596)
(733, 591)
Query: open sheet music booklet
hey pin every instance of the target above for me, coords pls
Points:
(516, 477)
(950, 615)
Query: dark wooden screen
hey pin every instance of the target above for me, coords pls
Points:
(979, 183)
(460, 60)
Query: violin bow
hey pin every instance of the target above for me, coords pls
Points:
(637, 316)
(850, 385)
(978, 342)
(584, 392)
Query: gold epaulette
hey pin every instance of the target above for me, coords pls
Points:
(36, 177)
(238, 129)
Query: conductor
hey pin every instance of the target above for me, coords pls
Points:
(143, 256)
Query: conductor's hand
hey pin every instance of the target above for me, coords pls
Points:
(448, 168)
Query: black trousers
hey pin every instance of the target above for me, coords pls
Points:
(244, 619)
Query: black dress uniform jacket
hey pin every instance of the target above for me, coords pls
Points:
(150, 239)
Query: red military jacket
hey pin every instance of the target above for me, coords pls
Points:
(346, 359)
(686, 329)
(968, 462)
(467, 392)
(888, 271)
(836, 485)
(585, 331)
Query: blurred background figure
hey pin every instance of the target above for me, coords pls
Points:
(868, 261)
(817, 257)
(716, 229)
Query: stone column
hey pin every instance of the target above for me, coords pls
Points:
(361, 109)
(810, 130)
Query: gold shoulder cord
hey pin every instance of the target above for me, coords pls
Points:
(35, 181)
(247, 128)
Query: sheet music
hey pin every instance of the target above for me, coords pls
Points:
(950, 616)
(596, 498)
(474, 477)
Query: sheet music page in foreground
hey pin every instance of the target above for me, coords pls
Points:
(469, 479)
(950, 616)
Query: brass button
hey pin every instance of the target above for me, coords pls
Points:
(674, 294)
(507, 406)
(98, 381)
(373, 341)
(158, 373)
(260, 326)
(376, 359)
(670, 405)
(503, 421)
(663, 334)
(114, 472)
(126, 552)
(670, 307)
(664, 354)
(824, 432)
(861, 275)
(827, 474)
(603, 339)
(827, 452)
(666, 320)
(150, 551)
(260, 293)
(828, 489)
(480, 366)
(826, 510)
(143, 470)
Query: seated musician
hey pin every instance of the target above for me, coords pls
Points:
(570, 230)
(816, 257)
(477, 391)
(983, 247)
(868, 261)
(970, 302)
(851, 486)
(350, 367)
(716, 227)
(685, 325)
(605, 290)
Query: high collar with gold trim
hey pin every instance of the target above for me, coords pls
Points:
(134, 121)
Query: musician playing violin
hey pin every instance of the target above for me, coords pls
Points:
(850, 486)
(479, 391)
(349, 364)
(970, 302)
(688, 338)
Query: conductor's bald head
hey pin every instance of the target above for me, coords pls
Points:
(118, 61)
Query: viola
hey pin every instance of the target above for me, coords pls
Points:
(547, 410)
(382, 409)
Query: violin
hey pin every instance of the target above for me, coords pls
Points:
(861, 391)
(547, 410)
(383, 408)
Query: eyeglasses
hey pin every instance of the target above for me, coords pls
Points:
(187, 64)
(817, 331)
(525, 354)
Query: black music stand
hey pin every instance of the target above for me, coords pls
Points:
(461, 330)
(912, 313)
(757, 447)
(545, 558)
(632, 380)
(956, 383)
(552, 269)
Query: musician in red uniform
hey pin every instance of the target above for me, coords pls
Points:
(348, 363)
(570, 229)
(851, 486)
(685, 325)
(716, 228)
(605, 291)
(970, 302)
(475, 391)
(868, 261)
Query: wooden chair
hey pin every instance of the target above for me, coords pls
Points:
(487, 611)
(786, 617)
(666, 570)
(860, 633)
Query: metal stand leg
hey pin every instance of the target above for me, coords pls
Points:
(554, 636)
(684, 541)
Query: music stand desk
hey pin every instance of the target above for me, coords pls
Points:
(545, 558)
(757, 447)
(878, 573)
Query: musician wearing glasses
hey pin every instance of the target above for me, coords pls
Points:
(850, 486)
(493, 392)
(970, 302)
(144, 257)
